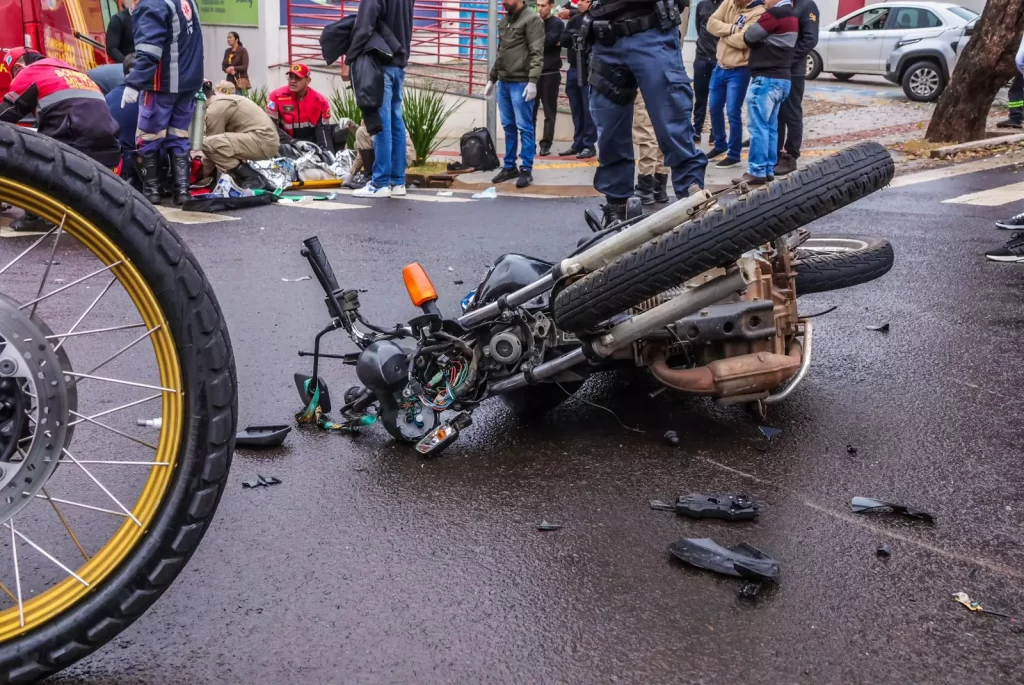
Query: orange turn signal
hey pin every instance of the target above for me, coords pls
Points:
(417, 282)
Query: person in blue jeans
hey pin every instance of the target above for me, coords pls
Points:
(514, 76)
(731, 76)
(388, 179)
(772, 41)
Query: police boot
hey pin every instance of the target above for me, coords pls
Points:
(613, 212)
(149, 172)
(661, 188)
(644, 189)
(180, 175)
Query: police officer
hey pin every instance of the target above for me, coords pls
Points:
(168, 72)
(637, 46)
(69, 107)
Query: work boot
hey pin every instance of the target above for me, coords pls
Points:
(247, 178)
(750, 180)
(506, 175)
(786, 164)
(525, 178)
(613, 212)
(661, 188)
(644, 189)
(1010, 123)
(180, 170)
(149, 172)
(30, 223)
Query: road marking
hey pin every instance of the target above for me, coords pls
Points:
(993, 197)
(325, 205)
(956, 170)
(180, 216)
(417, 197)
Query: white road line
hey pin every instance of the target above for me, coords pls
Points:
(993, 197)
(956, 170)
(6, 232)
(325, 205)
(432, 198)
(180, 216)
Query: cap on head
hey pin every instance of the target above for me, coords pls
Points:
(12, 56)
(300, 70)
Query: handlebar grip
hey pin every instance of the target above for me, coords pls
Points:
(321, 267)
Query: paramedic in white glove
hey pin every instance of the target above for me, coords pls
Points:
(516, 70)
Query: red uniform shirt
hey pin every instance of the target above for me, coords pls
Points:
(298, 117)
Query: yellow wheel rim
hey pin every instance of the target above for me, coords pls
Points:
(54, 601)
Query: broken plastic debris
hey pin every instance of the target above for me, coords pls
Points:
(867, 505)
(672, 438)
(741, 561)
(658, 505)
(769, 432)
(545, 526)
(444, 193)
(457, 282)
(725, 507)
(296, 280)
(883, 551)
(850, 449)
(881, 328)
(261, 482)
(964, 598)
(488, 194)
(751, 591)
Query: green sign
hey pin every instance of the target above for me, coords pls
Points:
(229, 12)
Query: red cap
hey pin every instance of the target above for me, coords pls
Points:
(12, 56)
(300, 70)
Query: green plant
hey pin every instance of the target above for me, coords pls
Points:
(259, 96)
(425, 114)
(343, 105)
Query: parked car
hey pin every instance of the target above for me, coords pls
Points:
(862, 42)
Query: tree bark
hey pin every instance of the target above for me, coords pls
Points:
(985, 66)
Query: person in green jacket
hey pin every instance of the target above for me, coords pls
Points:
(516, 70)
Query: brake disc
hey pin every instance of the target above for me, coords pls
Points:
(35, 389)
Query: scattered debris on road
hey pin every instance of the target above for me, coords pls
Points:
(881, 328)
(867, 505)
(296, 280)
(262, 436)
(741, 561)
(700, 506)
(672, 438)
(883, 552)
(261, 482)
(458, 282)
(751, 591)
(965, 599)
(851, 450)
(545, 526)
(769, 432)
(659, 505)
(488, 194)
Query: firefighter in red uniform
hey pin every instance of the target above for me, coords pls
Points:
(68, 107)
(301, 113)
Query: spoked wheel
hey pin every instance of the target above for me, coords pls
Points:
(105, 318)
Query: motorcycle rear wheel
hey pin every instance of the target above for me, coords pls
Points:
(832, 262)
(72, 607)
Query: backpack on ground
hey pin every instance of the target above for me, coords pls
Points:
(478, 150)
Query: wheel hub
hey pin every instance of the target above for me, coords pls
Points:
(34, 408)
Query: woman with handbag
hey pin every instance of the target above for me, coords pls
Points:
(236, 63)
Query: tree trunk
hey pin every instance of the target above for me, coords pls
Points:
(986, 65)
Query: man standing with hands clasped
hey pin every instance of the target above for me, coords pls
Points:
(516, 70)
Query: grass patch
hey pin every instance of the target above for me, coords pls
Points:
(428, 169)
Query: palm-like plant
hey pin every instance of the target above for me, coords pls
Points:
(425, 113)
(258, 95)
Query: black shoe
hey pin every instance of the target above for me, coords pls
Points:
(571, 152)
(696, 140)
(1010, 123)
(247, 178)
(750, 180)
(613, 213)
(712, 154)
(586, 153)
(726, 163)
(544, 151)
(149, 173)
(30, 223)
(786, 165)
(525, 178)
(180, 175)
(746, 143)
(644, 190)
(1013, 224)
(661, 188)
(506, 175)
(1012, 251)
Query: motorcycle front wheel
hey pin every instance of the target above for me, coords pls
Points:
(105, 318)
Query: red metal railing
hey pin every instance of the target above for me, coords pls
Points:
(449, 41)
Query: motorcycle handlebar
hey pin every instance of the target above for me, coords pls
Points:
(314, 252)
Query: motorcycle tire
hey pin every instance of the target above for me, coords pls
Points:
(534, 401)
(128, 572)
(840, 261)
(723, 234)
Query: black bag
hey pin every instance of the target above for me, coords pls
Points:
(478, 150)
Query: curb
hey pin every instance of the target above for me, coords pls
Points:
(950, 150)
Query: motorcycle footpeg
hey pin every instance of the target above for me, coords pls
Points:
(442, 437)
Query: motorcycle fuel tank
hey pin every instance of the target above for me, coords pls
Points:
(509, 273)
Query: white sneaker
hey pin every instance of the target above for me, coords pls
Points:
(369, 191)
(398, 191)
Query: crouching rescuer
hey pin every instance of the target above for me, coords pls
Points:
(167, 74)
(636, 45)
(237, 130)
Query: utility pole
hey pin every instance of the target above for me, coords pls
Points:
(492, 55)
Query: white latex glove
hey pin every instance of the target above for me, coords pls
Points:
(489, 89)
(130, 96)
(531, 92)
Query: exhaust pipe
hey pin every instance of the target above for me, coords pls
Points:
(747, 374)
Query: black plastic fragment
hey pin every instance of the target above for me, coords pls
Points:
(725, 507)
(741, 561)
(851, 450)
(268, 480)
(868, 505)
(751, 591)
(262, 436)
(672, 438)
(458, 282)
(545, 526)
(251, 484)
(883, 551)
(659, 505)
(881, 328)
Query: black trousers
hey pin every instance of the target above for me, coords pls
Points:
(791, 118)
(548, 86)
(702, 69)
(1016, 99)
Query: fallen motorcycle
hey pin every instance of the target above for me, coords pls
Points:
(703, 294)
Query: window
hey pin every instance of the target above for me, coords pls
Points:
(872, 20)
(915, 18)
(963, 13)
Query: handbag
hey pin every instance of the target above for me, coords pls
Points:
(242, 83)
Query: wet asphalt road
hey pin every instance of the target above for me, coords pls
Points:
(371, 565)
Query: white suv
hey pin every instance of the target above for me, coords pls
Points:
(860, 43)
